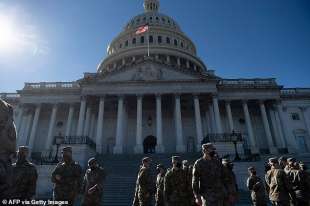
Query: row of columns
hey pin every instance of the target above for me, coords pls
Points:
(84, 124)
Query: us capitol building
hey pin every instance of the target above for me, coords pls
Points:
(164, 102)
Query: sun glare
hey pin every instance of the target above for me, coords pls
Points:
(8, 34)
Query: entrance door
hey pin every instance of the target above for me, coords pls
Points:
(190, 145)
(149, 144)
(301, 144)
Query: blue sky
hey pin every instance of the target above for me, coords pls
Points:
(57, 40)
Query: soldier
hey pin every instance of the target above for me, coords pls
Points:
(144, 184)
(93, 183)
(159, 197)
(67, 178)
(7, 148)
(175, 190)
(231, 183)
(24, 176)
(282, 162)
(298, 179)
(256, 186)
(188, 169)
(279, 186)
(208, 178)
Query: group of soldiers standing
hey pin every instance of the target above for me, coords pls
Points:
(209, 181)
(287, 183)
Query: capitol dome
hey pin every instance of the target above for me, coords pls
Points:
(164, 42)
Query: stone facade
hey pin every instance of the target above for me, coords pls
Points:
(169, 96)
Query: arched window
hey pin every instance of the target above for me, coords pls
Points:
(157, 19)
(175, 42)
(151, 39)
(126, 43)
(159, 40)
(142, 39)
(182, 45)
(120, 46)
(168, 40)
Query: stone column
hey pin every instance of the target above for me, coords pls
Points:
(34, 127)
(229, 116)
(248, 122)
(19, 118)
(179, 61)
(100, 126)
(304, 118)
(272, 148)
(159, 127)
(118, 148)
(50, 133)
(81, 117)
(212, 119)
(217, 115)
(180, 147)
(87, 121)
(24, 135)
(139, 148)
(198, 123)
(69, 120)
(279, 130)
(283, 126)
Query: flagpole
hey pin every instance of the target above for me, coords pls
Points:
(148, 41)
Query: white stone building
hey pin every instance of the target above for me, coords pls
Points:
(169, 98)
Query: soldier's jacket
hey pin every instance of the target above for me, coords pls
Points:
(231, 183)
(144, 187)
(159, 197)
(256, 186)
(5, 177)
(175, 190)
(279, 186)
(7, 129)
(70, 183)
(24, 180)
(209, 179)
(300, 184)
(92, 178)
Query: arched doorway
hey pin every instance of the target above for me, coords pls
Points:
(149, 144)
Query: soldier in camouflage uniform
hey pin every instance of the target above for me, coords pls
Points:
(93, 184)
(300, 185)
(279, 186)
(159, 196)
(306, 178)
(209, 178)
(282, 162)
(256, 187)
(7, 148)
(175, 190)
(67, 178)
(231, 183)
(24, 176)
(188, 169)
(144, 184)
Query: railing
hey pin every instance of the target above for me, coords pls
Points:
(46, 157)
(248, 82)
(295, 91)
(79, 140)
(52, 85)
(9, 95)
(225, 137)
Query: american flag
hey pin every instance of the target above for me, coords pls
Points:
(142, 29)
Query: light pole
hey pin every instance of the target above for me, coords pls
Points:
(58, 141)
(234, 138)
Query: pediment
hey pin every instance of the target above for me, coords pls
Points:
(150, 71)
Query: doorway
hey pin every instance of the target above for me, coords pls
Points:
(149, 144)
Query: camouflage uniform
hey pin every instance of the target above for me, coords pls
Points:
(208, 181)
(256, 186)
(24, 179)
(279, 186)
(189, 174)
(159, 197)
(93, 177)
(7, 148)
(230, 184)
(68, 187)
(144, 187)
(175, 188)
(300, 186)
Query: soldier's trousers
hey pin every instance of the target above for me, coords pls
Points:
(211, 202)
(92, 200)
(274, 203)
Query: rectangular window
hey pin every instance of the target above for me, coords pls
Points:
(159, 40)
(295, 116)
(142, 40)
